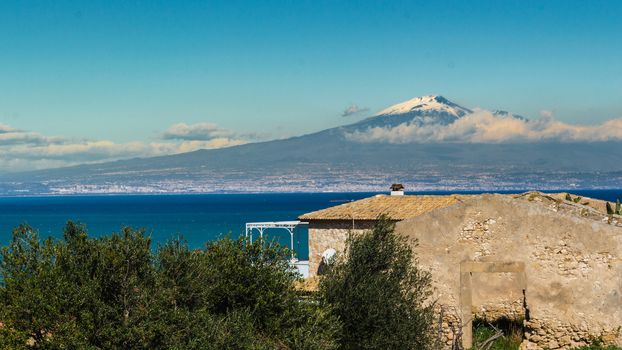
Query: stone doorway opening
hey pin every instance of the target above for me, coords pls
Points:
(477, 283)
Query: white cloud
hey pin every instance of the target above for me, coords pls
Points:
(26, 150)
(13, 136)
(546, 113)
(6, 129)
(353, 109)
(188, 146)
(485, 127)
(196, 132)
(207, 135)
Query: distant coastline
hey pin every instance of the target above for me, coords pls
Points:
(578, 191)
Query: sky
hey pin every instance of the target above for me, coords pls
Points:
(84, 81)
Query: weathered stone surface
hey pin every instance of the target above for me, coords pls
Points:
(571, 253)
(325, 234)
(572, 262)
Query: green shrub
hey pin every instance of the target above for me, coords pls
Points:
(115, 292)
(512, 334)
(379, 293)
(618, 208)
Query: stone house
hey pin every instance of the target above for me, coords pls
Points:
(552, 260)
(329, 228)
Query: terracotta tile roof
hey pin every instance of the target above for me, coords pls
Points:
(396, 207)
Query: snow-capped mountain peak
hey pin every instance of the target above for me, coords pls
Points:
(430, 103)
(431, 109)
(420, 112)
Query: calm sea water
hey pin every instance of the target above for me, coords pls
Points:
(199, 218)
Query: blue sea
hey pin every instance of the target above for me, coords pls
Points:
(198, 218)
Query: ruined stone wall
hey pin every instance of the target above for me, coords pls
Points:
(325, 234)
(448, 320)
(573, 267)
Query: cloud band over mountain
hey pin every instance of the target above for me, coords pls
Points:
(483, 126)
(427, 119)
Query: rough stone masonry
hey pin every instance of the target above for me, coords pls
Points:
(554, 262)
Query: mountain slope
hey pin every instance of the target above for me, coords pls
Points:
(330, 160)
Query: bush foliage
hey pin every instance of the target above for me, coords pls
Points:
(115, 292)
(379, 293)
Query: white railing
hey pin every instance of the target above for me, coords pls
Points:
(290, 226)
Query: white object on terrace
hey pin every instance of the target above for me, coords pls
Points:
(328, 255)
(302, 266)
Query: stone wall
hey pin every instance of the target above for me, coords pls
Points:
(572, 265)
(325, 234)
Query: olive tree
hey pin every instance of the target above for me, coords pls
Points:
(117, 292)
(379, 293)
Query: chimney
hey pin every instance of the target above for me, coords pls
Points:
(397, 190)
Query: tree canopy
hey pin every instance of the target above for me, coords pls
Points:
(119, 292)
(379, 293)
(116, 292)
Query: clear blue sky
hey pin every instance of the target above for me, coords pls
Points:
(128, 70)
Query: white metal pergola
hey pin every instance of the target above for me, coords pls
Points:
(289, 226)
(260, 227)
